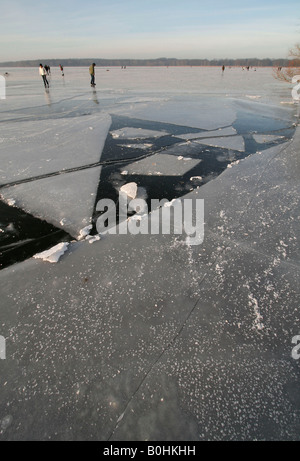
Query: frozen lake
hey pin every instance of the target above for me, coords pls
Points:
(147, 337)
(136, 123)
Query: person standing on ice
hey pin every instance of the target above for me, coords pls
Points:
(92, 74)
(43, 74)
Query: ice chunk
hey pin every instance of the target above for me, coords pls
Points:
(92, 239)
(207, 134)
(162, 165)
(53, 255)
(233, 164)
(130, 189)
(10, 202)
(136, 133)
(64, 200)
(264, 138)
(184, 111)
(232, 142)
(47, 146)
(196, 178)
(136, 146)
(84, 232)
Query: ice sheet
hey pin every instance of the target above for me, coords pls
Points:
(206, 134)
(136, 133)
(161, 165)
(265, 138)
(165, 338)
(232, 142)
(53, 254)
(34, 148)
(141, 337)
(187, 111)
(66, 201)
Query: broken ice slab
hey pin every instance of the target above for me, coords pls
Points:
(161, 165)
(136, 133)
(265, 138)
(228, 131)
(53, 254)
(34, 148)
(232, 143)
(66, 201)
(208, 114)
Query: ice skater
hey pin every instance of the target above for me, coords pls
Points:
(43, 74)
(62, 70)
(48, 70)
(92, 74)
(223, 68)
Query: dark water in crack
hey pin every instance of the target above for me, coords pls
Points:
(212, 160)
(22, 235)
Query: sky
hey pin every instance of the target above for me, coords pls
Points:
(140, 29)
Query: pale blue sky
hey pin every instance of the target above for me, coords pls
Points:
(148, 29)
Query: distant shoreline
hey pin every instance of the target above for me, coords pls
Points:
(159, 62)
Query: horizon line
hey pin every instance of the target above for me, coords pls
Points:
(143, 59)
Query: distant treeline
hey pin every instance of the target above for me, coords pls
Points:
(251, 62)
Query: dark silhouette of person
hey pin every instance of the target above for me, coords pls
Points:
(92, 73)
(44, 75)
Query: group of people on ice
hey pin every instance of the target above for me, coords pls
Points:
(45, 71)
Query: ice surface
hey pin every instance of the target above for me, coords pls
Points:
(66, 201)
(188, 111)
(264, 138)
(232, 142)
(207, 134)
(34, 148)
(159, 165)
(142, 337)
(85, 232)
